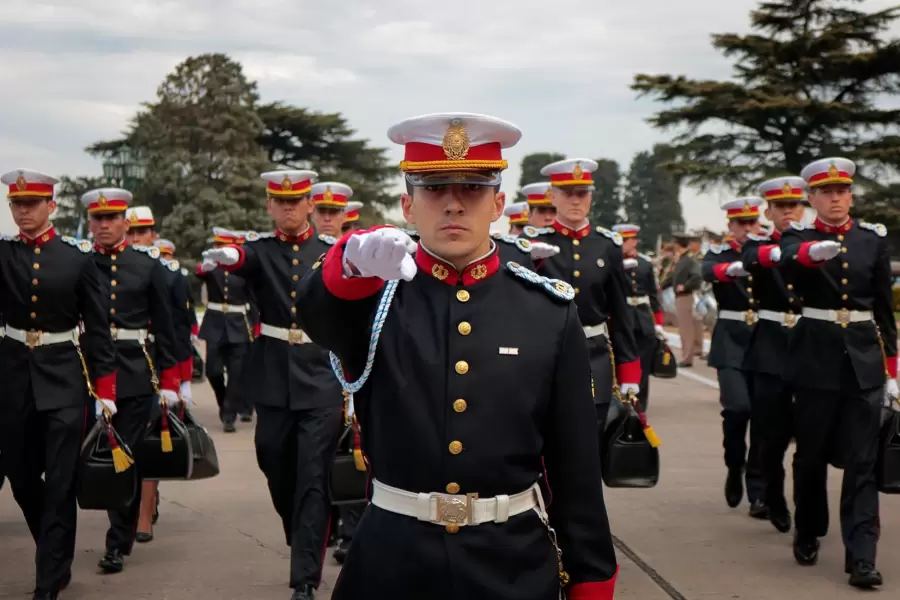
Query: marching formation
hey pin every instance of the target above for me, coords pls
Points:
(374, 354)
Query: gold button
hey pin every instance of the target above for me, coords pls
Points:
(463, 296)
(459, 405)
(36, 266)
(112, 296)
(115, 268)
(840, 238)
(576, 273)
(575, 242)
(33, 315)
(295, 247)
(844, 325)
(564, 231)
(225, 289)
(112, 311)
(790, 300)
(37, 250)
(846, 265)
(749, 289)
(293, 294)
(452, 488)
(226, 274)
(113, 257)
(295, 262)
(464, 328)
(34, 298)
(295, 277)
(844, 297)
(293, 326)
(843, 282)
(113, 283)
(576, 290)
(844, 250)
(455, 447)
(577, 257)
(293, 309)
(452, 528)
(462, 367)
(34, 282)
(790, 286)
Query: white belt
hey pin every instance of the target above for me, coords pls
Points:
(747, 316)
(785, 318)
(291, 336)
(33, 338)
(838, 316)
(128, 335)
(227, 308)
(447, 509)
(638, 300)
(595, 330)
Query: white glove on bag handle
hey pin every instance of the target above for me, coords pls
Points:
(630, 263)
(222, 256)
(169, 397)
(540, 250)
(185, 393)
(383, 253)
(101, 403)
(736, 269)
(827, 250)
(891, 393)
(626, 388)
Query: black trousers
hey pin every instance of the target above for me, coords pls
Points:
(646, 347)
(735, 393)
(226, 358)
(851, 418)
(130, 422)
(45, 443)
(294, 449)
(772, 414)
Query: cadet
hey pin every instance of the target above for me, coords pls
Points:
(842, 350)
(733, 289)
(48, 284)
(541, 212)
(591, 260)
(462, 514)
(138, 296)
(298, 400)
(228, 333)
(351, 216)
(765, 358)
(643, 298)
(517, 214)
(329, 200)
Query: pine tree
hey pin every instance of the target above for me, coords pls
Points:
(650, 198)
(607, 201)
(530, 171)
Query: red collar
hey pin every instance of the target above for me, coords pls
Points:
(568, 232)
(295, 239)
(734, 245)
(826, 228)
(39, 240)
(114, 250)
(443, 271)
(631, 254)
(776, 235)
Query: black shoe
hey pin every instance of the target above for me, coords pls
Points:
(45, 595)
(758, 510)
(734, 487)
(248, 418)
(806, 550)
(781, 520)
(340, 553)
(155, 510)
(229, 427)
(112, 562)
(304, 592)
(865, 575)
(142, 538)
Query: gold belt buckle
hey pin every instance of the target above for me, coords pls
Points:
(455, 510)
(843, 316)
(790, 319)
(295, 336)
(114, 334)
(32, 339)
(750, 317)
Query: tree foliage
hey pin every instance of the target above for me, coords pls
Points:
(650, 198)
(607, 194)
(531, 169)
(69, 217)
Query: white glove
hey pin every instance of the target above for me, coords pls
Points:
(627, 388)
(383, 253)
(824, 250)
(891, 393)
(209, 264)
(630, 263)
(185, 393)
(660, 331)
(541, 250)
(169, 397)
(100, 404)
(775, 254)
(222, 256)
(736, 269)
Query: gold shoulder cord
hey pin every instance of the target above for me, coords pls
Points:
(249, 329)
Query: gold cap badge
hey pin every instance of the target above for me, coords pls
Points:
(102, 201)
(328, 196)
(456, 141)
(287, 184)
(578, 172)
(747, 207)
(547, 194)
(133, 218)
(787, 189)
(833, 171)
(21, 184)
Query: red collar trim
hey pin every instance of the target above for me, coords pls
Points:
(295, 239)
(39, 240)
(474, 272)
(734, 245)
(631, 254)
(826, 228)
(569, 232)
(776, 235)
(114, 250)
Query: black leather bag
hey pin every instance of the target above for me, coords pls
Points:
(199, 371)
(347, 484)
(664, 364)
(628, 459)
(888, 466)
(100, 486)
(157, 465)
(206, 459)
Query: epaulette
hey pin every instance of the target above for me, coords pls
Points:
(800, 226)
(172, 265)
(185, 272)
(253, 236)
(716, 248)
(877, 228)
(613, 235)
(556, 288)
(151, 251)
(758, 238)
(645, 257)
(533, 232)
(330, 240)
(84, 246)
(514, 240)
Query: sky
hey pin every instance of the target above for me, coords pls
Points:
(77, 70)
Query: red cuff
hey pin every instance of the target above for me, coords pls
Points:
(187, 369)
(200, 272)
(594, 590)
(170, 378)
(765, 255)
(346, 288)
(105, 386)
(659, 318)
(257, 330)
(629, 372)
(239, 263)
(195, 329)
(719, 272)
(803, 256)
(890, 363)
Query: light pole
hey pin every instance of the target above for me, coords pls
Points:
(122, 167)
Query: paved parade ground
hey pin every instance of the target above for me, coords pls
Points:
(220, 538)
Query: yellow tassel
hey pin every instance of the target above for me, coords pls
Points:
(166, 439)
(667, 357)
(121, 461)
(652, 437)
(358, 460)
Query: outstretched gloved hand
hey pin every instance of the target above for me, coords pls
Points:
(382, 253)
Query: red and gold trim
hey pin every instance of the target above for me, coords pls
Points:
(443, 271)
(351, 216)
(288, 188)
(805, 259)
(105, 386)
(39, 240)
(135, 221)
(539, 199)
(629, 372)
(519, 218)
(170, 378)
(295, 239)
(745, 212)
(420, 156)
(832, 175)
(826, 228)
(225, 239)
(785, 193)
(113, 250)
(719, 271)
(594, 590)
(569, 232)
(22, 189)
(627, 233)
(577, 177)
(107, 206)
(765, 256)
(166, 248)
(330, 199)
(186, 368)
